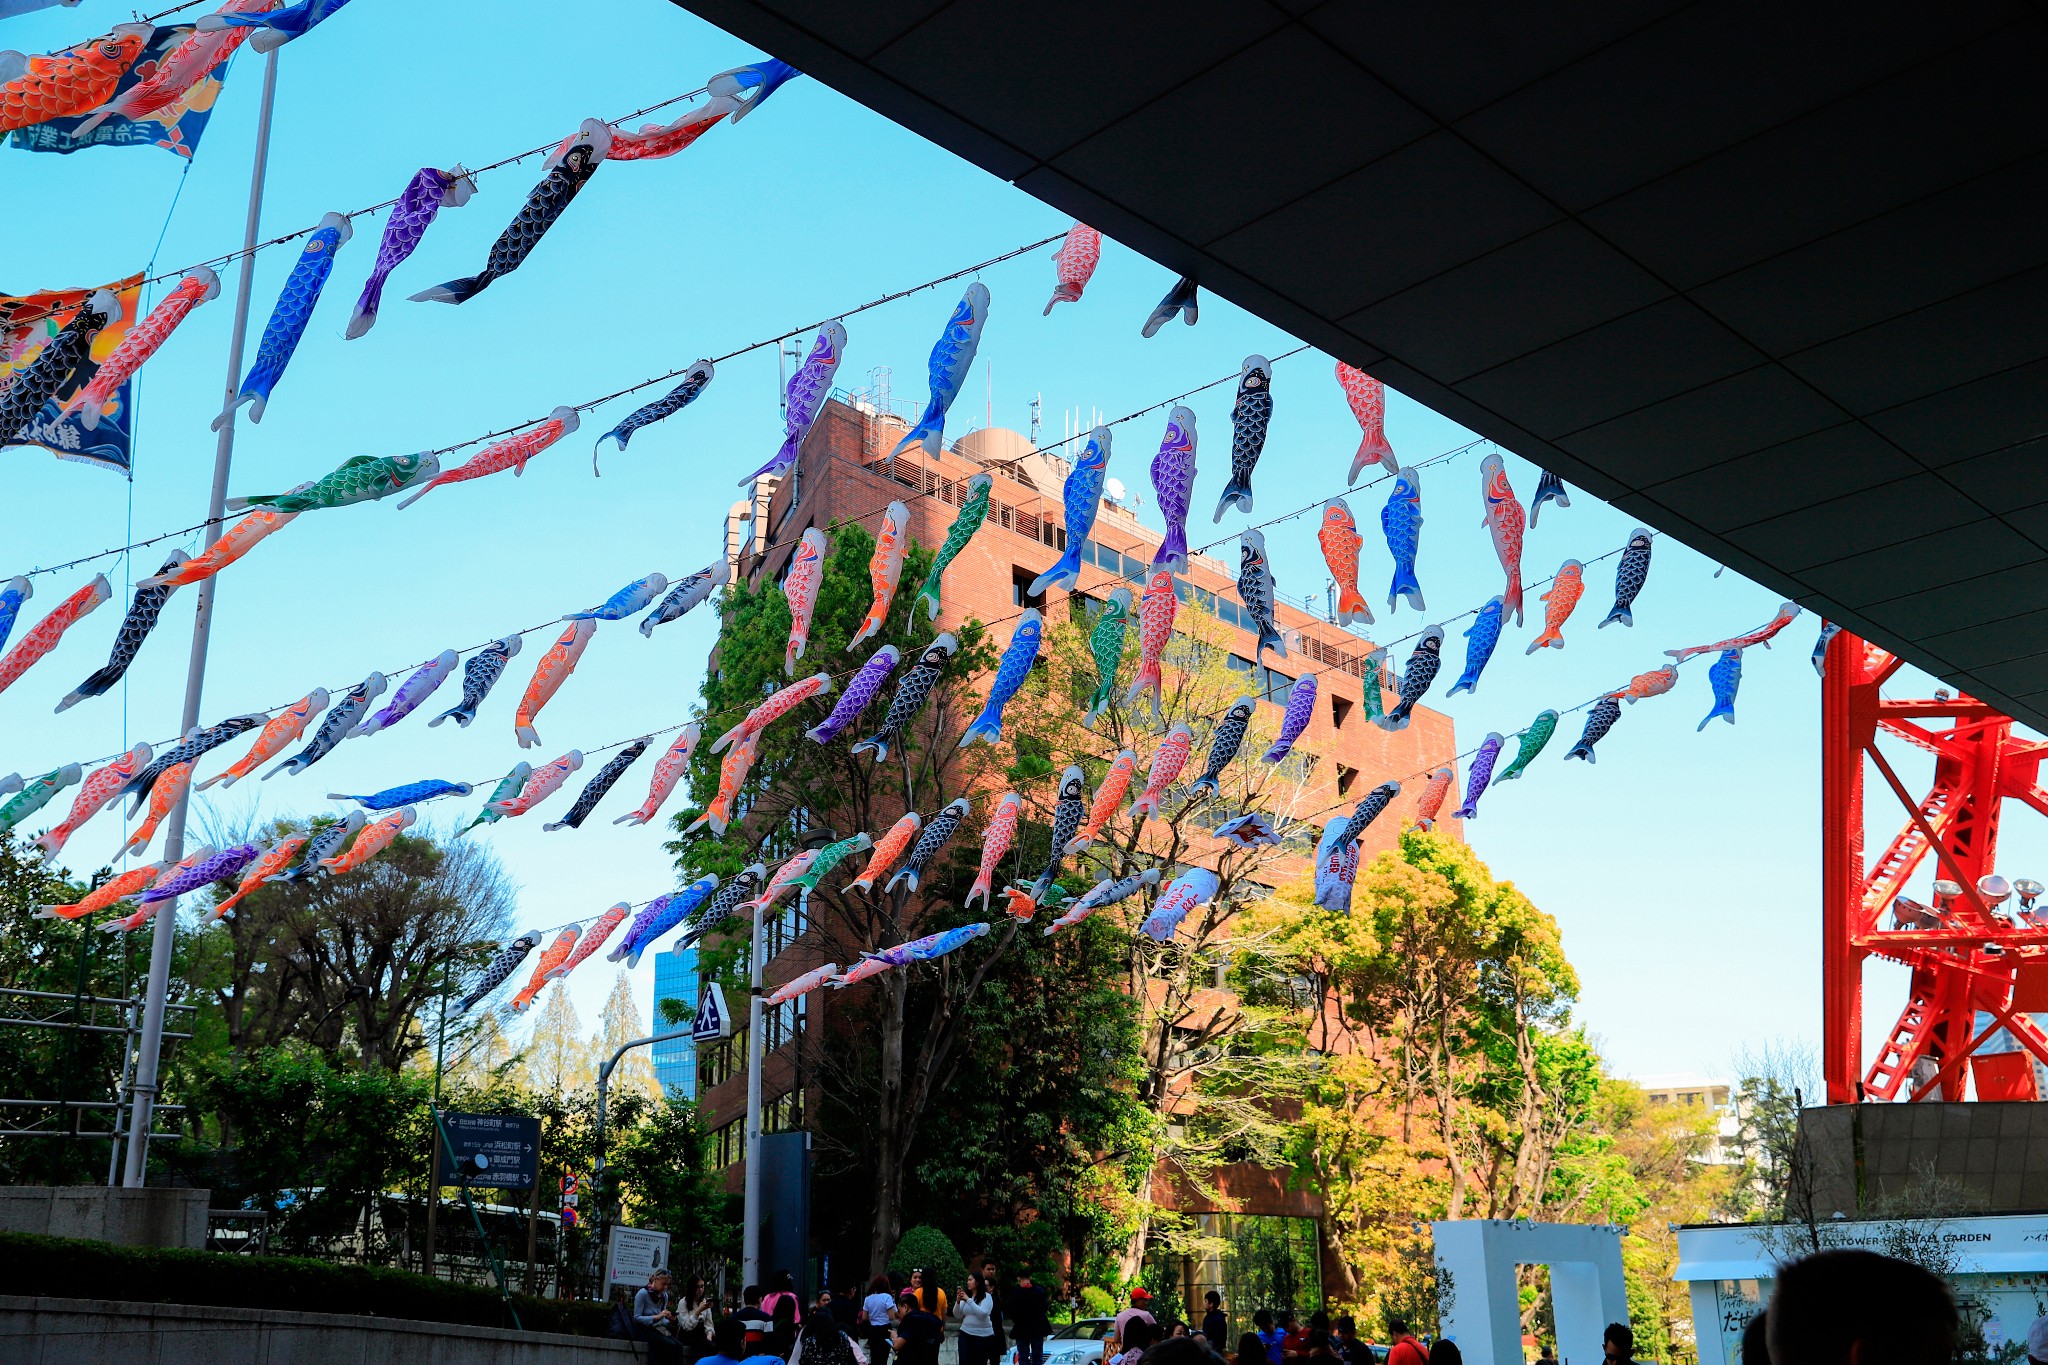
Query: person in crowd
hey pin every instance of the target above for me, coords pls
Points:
(781, 1289)
(654, 1320)
(991, 1281)
(846, 1309)
(1215, 1325)
(782, 1328)
(695, 1314)
(821, 1340)
(1447, 1353)
(1352, 1348)
(728, 1343)
(919, 1331)
(1756, 1350)
(1030, 1314)
(1322, 1348)
(1859, 1308)
(1618, 1344)
(1133, 1341)
(1546, 1353)
(1250, 1350)
(929, 1295)
(976, 1309)
(1177, 1329)
(1406, 1350)
(878, 1315)
(1187, 1350)
(752, 1320)
(1140, 1309)
(1295, 1347)
(1272, 1340)
(2037, 1341)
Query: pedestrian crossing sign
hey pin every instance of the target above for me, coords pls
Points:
(713, 1022)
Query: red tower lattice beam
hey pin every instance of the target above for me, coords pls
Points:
(1966, 956)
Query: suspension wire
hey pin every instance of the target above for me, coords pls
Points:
(594, 403)
(556, 621)
(229, 258)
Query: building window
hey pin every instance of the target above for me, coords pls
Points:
(719, 1062)
(784, 1113)
(1346, 777)
(1340, 710)
(726, 1059)
(728, 1144)
(784, 1023)
(1021, 595)
(791, 924)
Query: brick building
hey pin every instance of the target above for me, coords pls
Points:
(843, 476)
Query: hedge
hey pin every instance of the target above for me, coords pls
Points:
(61, 1267)
(926, 1248)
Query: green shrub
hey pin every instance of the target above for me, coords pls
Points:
(1033, 1246)
(925, 1247)
(60, 1267)
(1096, 1302)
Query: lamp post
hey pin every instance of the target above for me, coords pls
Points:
(750, 1243)
(149, 1051)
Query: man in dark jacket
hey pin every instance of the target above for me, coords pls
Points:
(1030, 1319)
(919, 1333)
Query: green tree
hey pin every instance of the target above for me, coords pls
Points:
(314, 1140)
(75, 960)
(1440, 1073)
(353, 965)
(557, 1058)
(909, 1076)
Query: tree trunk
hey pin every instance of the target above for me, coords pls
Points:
(1347, 1288)
(1133, 1258)
(888, 1223)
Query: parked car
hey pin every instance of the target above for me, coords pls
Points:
(1077, 1343)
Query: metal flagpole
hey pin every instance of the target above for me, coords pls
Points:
(750, 1246)
(142, 1093)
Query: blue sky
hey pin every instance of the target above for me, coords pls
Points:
(1683, 867)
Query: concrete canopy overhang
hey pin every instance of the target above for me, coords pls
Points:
(1772, 278)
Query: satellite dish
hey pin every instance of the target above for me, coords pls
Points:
(1115, 489)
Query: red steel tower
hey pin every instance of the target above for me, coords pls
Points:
(1979, 954)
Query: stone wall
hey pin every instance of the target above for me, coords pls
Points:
(1867, 1157)
(110, 1332)
(133, 1218)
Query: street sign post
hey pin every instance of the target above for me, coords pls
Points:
(713, 1022)
(632, 1255)
(509, 1143)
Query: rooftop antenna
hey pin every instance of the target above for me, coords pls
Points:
(1037, 411)
(789, 353)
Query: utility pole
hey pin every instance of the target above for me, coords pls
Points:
(149, 1054)
(750, 1244)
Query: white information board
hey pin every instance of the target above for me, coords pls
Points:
(633, 1255)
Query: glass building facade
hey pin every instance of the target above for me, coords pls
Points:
(675, 1060)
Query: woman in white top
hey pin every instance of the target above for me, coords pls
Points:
(877, 1312)
(976, 1310)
